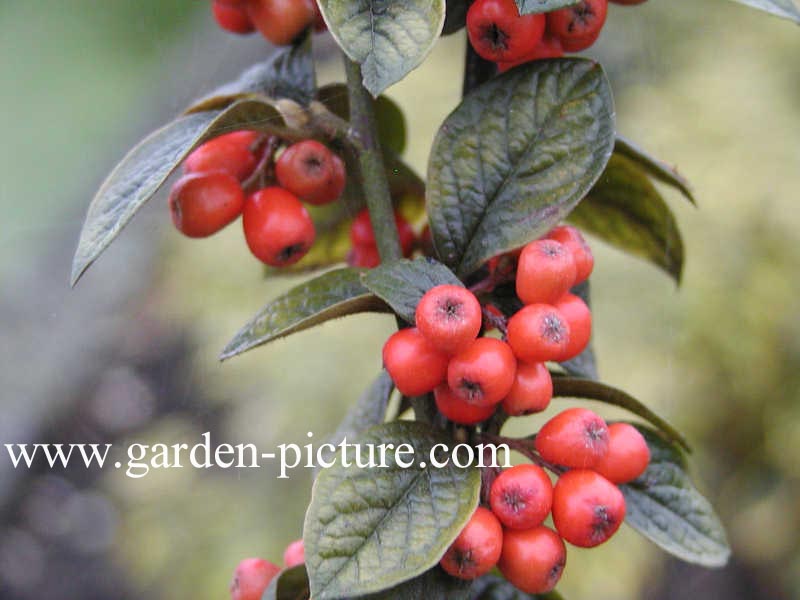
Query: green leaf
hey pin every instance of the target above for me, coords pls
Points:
(786, 9)
(288, 73)
(492, 587)
(388, 38)
(665, 507)
(289, 584)
(573, 387)
(516, 157)
(527, 7)
(333, 294)
(402, 283)
(368, 529)
(585, 364)
(432, 585)
(455, 16)
(145, 168)
(627, 211)
(654, 167)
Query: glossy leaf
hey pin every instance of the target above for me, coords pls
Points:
(585, 364)
(388, 38)
(491, 587)
(527, 7)
(401, 284)
(516, 157)
(432, 585)
(368, 529)
(786, 9)
(289, 584)
(627, 211)
(654, 167)
(664, 506)
(331, 295)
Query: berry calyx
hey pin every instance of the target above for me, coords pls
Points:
(579, 321)
(251, 578)
(458, 410)
(573, 240)
(232, 17)
(531, 392)
(281, 21)
(587, 508)
(545, 272)
(230, 153)
(578, 26)
(538, 332)
(628, 454)
(533, 559)
(521, 497)
(415, 365)
(277, 227)
(450, 317)
(575, 438)
(498, 33)
(483, 373)
(311, 172)
(295, 554)
(203, 203)
(477, 548)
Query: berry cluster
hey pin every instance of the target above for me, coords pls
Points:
(277, 227)
(364, 250)
(253, 575)
(500, 34)
(279, 21)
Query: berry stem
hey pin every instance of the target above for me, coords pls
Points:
(257, 179)
(498, 322)
(371, 166)
(524, 447)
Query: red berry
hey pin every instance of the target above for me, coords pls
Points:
(545, 272)
(483, 373)
(538, 332)
(295, 554)
(361, 233)
(251, 578)
(497, 32)
(311, 172)
(203, 203)
(575, 438)
(230, 153)
(533, 560)
(319, 22)
(414, 364)
(628, 454)
(281, 21)
(459, 410)
(477, 548)
(531, 392)
(232, 17)
(277, 227)
(548, 47)
(572, 239)
(579, 321)
(578, 26)
(587, 508)
(521, 497)
(365, 257)
(450, 317)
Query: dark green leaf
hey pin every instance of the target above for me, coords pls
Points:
(145, 168)
(331, 295)
(665, 507)
(432, 585)
(455, 16)
(516, 157)
(527, 7)
(388, 38)
(368, 529)
(654, 167)
(289, 73)
(585, 364)
(573, 387)
(401, 284)
(289, 584)
(780, 8)
(627, 211)
(491, 587)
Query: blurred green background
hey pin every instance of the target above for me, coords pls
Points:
(130, 355)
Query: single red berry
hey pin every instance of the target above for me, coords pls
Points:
(414, 364)
(458, 410)
(498, 33)
(477, 548)
(573, 240)
(538, 332)
(531, 392)
(483, 373)
(295, 554)
(251, 578)
(521, 497)
(587, 508)
(277, 227)
(546, 271)
(575, 438)
(229, 152)
(579, 321)
(281, 21)
(450, 317)
(533, 559)
(311, 172)
(578, 26)
(232, 17)
(364, 256)
(361, 233)
(203, 203)
(628, 454)
(548, 47)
